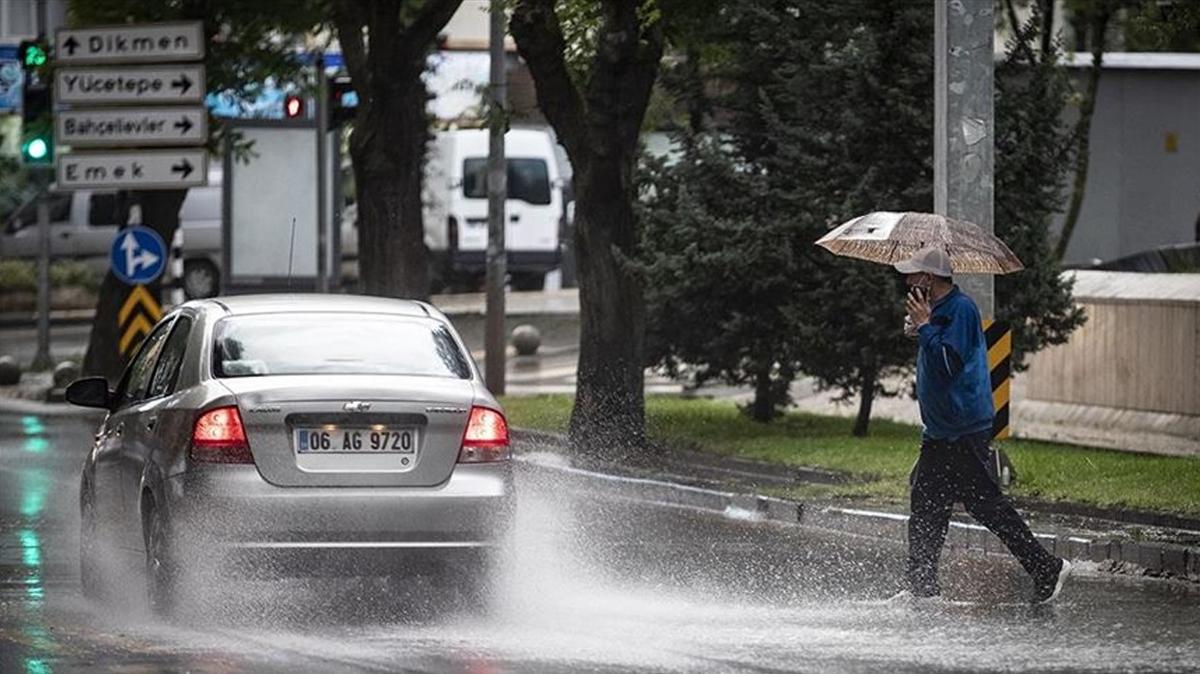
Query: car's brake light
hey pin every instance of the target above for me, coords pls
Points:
(486, 437)
(218, 437)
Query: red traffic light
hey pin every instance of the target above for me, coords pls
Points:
(293, 107)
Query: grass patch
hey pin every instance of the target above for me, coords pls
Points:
(1047, 471)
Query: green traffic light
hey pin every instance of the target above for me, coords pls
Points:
(37, 149)
(34, 56)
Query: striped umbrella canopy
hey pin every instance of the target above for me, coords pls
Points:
(888, 237)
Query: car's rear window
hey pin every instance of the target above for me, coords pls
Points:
(335, 343)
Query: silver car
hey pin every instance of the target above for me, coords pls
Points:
(296, 434)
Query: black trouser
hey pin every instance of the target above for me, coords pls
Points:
(962, 471)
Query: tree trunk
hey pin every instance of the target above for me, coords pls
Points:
(866, 398)
(160, 212)
(1083, 128)
(387, 149)
(609, 413)
(763, 407)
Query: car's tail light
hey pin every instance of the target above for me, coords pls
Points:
(218, 437)
(451, 234)
(486, 437)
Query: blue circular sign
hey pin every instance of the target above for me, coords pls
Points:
(138, 255)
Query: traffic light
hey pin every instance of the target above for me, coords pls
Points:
(293, 107)
(33, 54)
(37, 132)
(343, 101)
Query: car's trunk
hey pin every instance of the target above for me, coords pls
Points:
(353, 430)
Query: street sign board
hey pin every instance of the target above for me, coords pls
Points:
(118, 127)
(142, 43)
(134, 169)
(130, 85)
(138, 255)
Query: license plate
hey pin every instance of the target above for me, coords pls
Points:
(327, 440)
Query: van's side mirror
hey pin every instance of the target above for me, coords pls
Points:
(90, 392)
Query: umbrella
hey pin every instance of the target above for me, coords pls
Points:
(888, 237)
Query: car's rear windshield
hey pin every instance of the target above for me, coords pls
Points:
(335, 343)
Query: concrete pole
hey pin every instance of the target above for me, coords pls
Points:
(964, 124)
(42, 360)
(497, 181)
(322, 181)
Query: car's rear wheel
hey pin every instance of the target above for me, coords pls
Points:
(160, 569)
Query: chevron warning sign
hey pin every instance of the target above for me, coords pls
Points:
(139, 312)
(999, 345)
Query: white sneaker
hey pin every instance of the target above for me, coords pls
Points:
(1047, 589)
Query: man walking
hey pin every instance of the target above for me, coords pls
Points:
(955, 395)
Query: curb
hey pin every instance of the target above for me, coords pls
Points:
(1166, 560)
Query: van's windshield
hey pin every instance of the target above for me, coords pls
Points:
(528, 179)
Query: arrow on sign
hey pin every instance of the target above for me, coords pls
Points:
(184, 125)
(71, 44)
(182, 84)
(184, 167)
(133, 259)
(139, 296)
(145, 311)
(138, 327)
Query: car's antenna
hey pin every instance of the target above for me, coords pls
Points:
(291, 249)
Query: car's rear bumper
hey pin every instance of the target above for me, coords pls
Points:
(232, 511)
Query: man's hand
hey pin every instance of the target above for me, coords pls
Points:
(918, 309)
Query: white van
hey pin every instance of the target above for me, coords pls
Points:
(456, 230)
(83, 224)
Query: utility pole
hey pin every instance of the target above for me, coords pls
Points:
(497, 181)
(42, 359)
(322, 182)
(964, 124)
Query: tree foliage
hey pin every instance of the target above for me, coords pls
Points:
(1034, 150)
(825, 112)
(721, 283)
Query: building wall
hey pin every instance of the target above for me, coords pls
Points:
(1139, 350)
(1143, 187)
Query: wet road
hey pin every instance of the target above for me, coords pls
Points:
(598, 584)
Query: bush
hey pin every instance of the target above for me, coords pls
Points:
(21, 276)
(17, 276)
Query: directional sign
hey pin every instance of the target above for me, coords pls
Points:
(138, 314)
(130, 84)
(138, 255)
(135, 169)
(144, 43)
(109, 127)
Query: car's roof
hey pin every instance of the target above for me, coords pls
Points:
(283, 303)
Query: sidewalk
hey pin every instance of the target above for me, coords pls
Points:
(1116, 541)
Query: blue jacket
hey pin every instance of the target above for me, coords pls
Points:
(954, 386)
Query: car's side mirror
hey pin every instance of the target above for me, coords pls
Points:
(90, 392)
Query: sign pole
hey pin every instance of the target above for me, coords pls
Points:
(42, 360)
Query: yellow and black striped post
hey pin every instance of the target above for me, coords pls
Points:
(999, 346)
